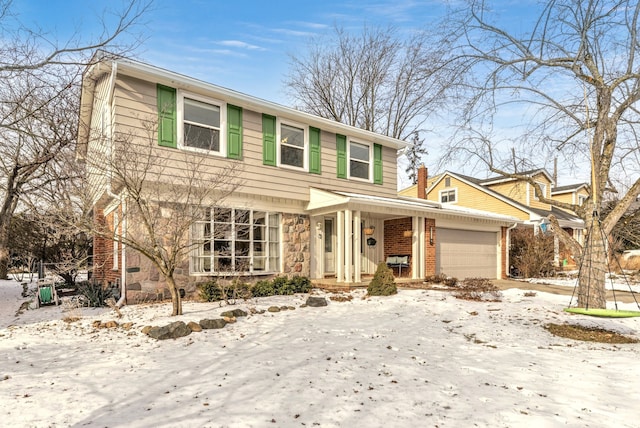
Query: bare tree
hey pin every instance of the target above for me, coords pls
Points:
(38, 89)
(373, 80)
(160, 199)
(574, 76)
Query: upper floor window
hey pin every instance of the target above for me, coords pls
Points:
(292, 145)
(359, 160)
(448, 196)
(201, 123)
(581, 199)
(543, 189)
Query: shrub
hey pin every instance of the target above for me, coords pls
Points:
(436, 279)
(383, 282)
(282, 286)
(479, 289)
(210, 291)
(95, 295)
(531, 255)
(450, 282)
(263, 288)
(236, 289)
(301, 284)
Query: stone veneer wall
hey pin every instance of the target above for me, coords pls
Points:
(144, 282)
(296, 236)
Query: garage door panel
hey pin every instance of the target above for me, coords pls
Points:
(466, 253)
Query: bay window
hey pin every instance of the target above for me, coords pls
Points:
(236, 240)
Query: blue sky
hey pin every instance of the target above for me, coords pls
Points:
(242, 45)
(245, 45)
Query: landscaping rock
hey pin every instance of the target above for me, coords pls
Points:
(234, 313)
(273, 309)
(171, 331)
(145, 329)
(194, 327)
(316, 302)
(212, 323)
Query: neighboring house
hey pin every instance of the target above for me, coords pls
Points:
(508, 196)
(323, 193)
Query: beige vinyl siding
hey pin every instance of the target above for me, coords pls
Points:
(136, 99)
(97, 145)
(469, 196)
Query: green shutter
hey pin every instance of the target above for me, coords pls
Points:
(341, 151)
(314, 150)
(377, 164)
(167, 122)
(268, 140)
(234, 132)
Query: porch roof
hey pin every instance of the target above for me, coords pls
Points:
(322, 201)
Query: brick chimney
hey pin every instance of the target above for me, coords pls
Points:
(422, 181)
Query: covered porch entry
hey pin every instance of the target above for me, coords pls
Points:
(349, 237)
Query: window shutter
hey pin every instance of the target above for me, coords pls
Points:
(234, 132)
(341, 151)
(268, 140)
(314, 150)
(167, 123)
(377, 164)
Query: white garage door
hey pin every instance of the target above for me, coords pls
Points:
(466, 253)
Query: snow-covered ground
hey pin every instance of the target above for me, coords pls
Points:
(419, 358)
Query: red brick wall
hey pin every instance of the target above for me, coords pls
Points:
(429, 227)
(396, 243)
(103, 250)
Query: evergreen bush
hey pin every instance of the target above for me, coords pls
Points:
(383, 282)
(210, 291)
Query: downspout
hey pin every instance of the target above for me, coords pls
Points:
(508, 244)
(123, 275)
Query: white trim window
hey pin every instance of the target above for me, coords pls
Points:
(293, 145)
(201, 123)
(581, 199)
(448, 196)
(234, 240)
(360, 165)
(543, 188)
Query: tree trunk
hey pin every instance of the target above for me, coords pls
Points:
(175, 297)
(4, 250)
(592, 279)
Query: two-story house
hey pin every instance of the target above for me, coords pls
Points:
(508, 196)
(318, 198)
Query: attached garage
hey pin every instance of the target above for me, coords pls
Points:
(467, 253)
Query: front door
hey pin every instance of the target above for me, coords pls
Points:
(329, 245)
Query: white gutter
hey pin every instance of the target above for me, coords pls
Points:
(508, 244)
(109, 190)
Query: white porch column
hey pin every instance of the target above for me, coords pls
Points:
(340, 247)
(415, 246)
(348, 245)
(422, 236)
(357, 256)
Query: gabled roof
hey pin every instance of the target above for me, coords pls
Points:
(569, 188)
(564, 218)
(502, 179)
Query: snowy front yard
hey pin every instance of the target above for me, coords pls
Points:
(420, 358)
